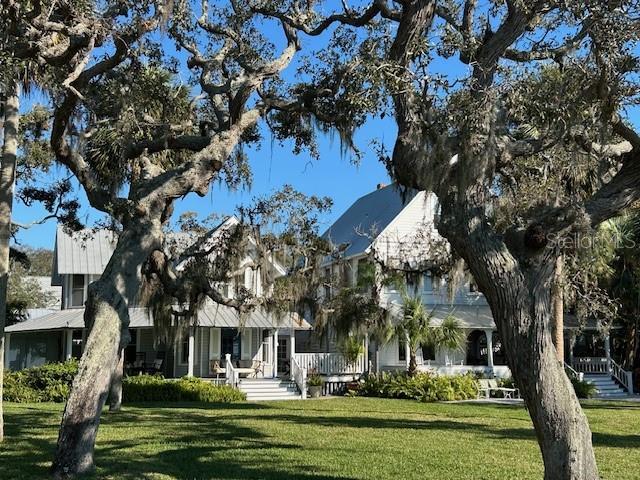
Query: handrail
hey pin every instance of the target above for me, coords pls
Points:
(230, 372)
(572, 373)
(330, 363)
(299, 375)
(623, 376)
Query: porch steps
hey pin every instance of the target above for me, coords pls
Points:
(606, 387)
(262, 389)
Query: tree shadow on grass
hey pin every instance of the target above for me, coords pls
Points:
(186, 445)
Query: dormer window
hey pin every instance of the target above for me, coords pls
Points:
(77, 290)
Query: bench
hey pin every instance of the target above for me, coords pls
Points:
(491, 385)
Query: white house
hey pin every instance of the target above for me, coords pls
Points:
(262, 342)
(388, 224)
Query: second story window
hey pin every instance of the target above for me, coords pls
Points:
(77, 290)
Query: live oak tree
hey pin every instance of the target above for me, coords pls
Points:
(137, 140)
(459, 78)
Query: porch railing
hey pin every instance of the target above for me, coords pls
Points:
(230, 372)
(299, 375)
(572, 373)
(591, 364)
(329, 363)
(624, 377)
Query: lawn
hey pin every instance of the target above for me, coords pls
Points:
(353, 438)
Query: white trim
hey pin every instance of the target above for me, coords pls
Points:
(7, 350)
(201, 332)
(191, 341)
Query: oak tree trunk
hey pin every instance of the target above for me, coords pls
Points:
(7, 181)
(558, 309)
(107, 319)
(115, 392)
(517, 289)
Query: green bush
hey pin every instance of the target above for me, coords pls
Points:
(155, 388)
(425, 387)
(48, 383)
(583, 389)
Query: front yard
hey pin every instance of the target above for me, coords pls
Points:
(349, 438)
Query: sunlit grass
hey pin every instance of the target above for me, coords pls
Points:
(353, 438)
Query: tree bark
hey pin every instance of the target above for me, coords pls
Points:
(7, 181)
(413, 364)
(558, 309)
(518, 294)
(115, 392)
(107, 319)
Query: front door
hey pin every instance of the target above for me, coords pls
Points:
(283, 356)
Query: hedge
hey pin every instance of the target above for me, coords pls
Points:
(425, 387)
(154, 388)
(52, 383)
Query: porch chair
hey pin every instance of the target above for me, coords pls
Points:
(258, 367)
(214, 366)
(156, 367)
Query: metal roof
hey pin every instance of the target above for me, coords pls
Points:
(84, 252)
(211, 315)
(366, 218)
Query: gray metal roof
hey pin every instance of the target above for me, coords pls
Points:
(83, 252)
(210, 316)
(367, 218)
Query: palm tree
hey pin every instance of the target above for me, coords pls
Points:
(415, 329)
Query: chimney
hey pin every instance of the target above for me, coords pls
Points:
(380, 185)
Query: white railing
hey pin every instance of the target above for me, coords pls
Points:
(329, 363)
(572, 373)
(230, 372)
(591, 364)
(624, 377)
(299, 375)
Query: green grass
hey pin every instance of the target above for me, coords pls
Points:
(352, 438)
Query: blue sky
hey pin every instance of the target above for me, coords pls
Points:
(273, 165)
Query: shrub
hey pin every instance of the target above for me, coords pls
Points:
(47, 383)
(425, 387)
(155, 388)
(583, 389)
(315, 380)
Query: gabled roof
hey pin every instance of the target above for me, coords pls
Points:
(83, 252)
(367, 217)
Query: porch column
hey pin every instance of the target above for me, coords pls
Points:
(489, 335)
(292, 350)
(366, 354)
(607, 351)
(191, 357)
(275, 353)
(7, 349)
(68, 349)
(407, 351)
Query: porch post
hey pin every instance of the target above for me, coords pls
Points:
(275, 352)
(366, 353)
(68, 349)
(292, 349)
(191, 357)
(607, 351)
(407, 351)
(7, 349)
(489, 335)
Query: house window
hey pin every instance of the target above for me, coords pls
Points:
(77, 290)
(428, 352)
(231, 343)
(430, 282)
(365, 274)
(402, 351)
(238, 282)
